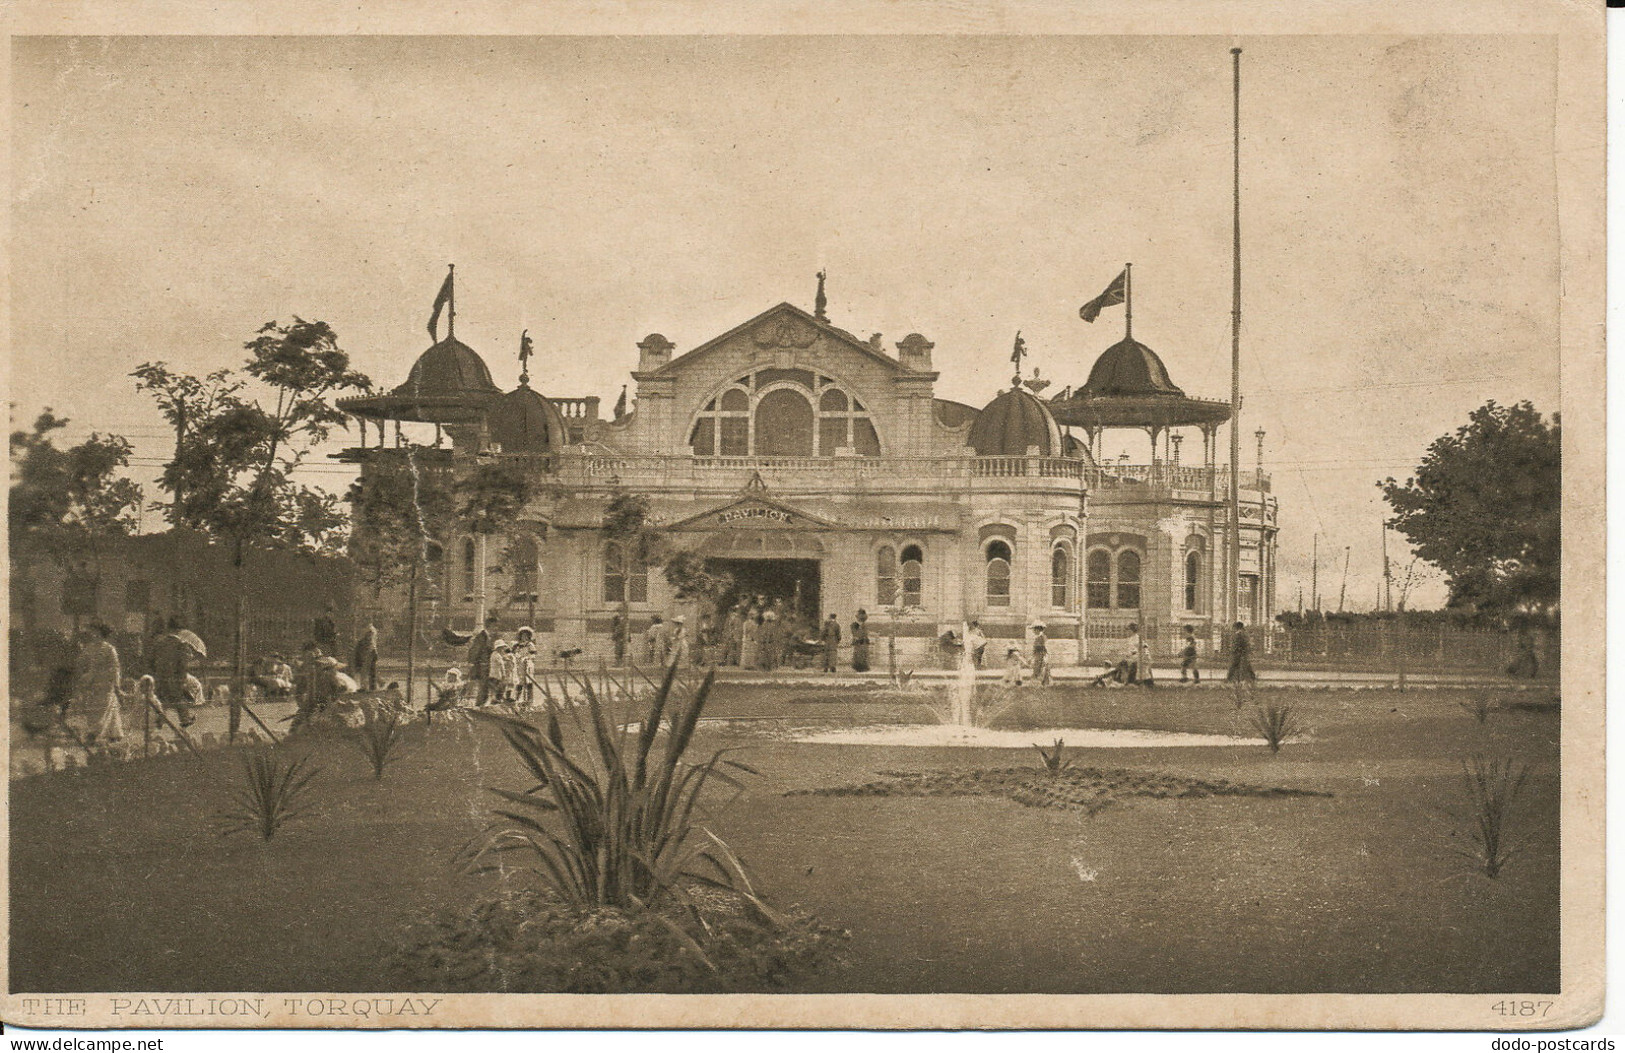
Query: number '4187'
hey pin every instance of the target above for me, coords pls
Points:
(1527, 1007)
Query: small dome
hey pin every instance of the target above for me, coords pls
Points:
(1014, 422)
(524, 422)
(450, 367)
(1128, 368)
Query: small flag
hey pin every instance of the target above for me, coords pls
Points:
(440, 301)
(620, 404)
(1113, 296)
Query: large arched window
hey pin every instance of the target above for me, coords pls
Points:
(468, 569)
(998, 574)
(1060, 577)
(1098, 568)
(784, 424)
(522, 555)
(1193, 581)
(784, 413)
(1128, 579)
(913, 576)
(885, 576)
(626, 579)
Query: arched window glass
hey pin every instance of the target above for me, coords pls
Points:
(913, 576)
(626, 580)
(784, 424)
(886, 575)
(523, 556)
(812, 418)
(998, 574)
(1193, 580)
(1060, 578)
(1128, 579)
(468, 570)
(1098, 567)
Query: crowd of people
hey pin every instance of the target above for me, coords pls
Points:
(752, 632)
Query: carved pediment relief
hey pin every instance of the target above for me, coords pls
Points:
(785, 332)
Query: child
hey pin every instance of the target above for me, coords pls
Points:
(1187, 662)
(500, 678)
(1014, 667)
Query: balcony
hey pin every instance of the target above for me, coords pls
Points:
(1166, 477)
(835, 474)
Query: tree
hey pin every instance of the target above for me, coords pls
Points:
(637, 544)
(400, 512)
(492, 496)
(235, 455)
(67, 504)
(1484, 506)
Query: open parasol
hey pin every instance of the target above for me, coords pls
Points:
(192, 640)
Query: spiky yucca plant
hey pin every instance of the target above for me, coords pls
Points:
(379, 737)
(1054, 758)
(1275, 724)
(1491, 787)
(615, 824)
(273, 794)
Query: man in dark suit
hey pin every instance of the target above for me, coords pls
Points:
(479, 657)
(171, 665)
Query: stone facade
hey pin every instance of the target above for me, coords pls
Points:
(819, 467)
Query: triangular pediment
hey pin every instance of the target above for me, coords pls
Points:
(753, 510)
(784, 327)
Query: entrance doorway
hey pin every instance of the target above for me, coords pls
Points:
(795, 581)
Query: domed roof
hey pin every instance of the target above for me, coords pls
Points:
(1014, 422)
(524, 422)
(450, 367)
(1128, 367)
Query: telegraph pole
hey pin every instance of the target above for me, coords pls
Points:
(1233, 584)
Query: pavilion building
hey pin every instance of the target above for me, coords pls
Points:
(819, 468)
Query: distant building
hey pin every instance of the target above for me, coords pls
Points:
(820, 469)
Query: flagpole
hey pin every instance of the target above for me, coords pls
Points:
(1233, 590)
(1128, 300)
(451, 302)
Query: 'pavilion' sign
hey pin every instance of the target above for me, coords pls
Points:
(752, 513)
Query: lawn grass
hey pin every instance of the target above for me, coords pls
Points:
(122, 881)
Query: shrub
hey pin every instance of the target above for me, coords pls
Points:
(1054, 759)
(625, 831)
(273, 794)
(525, 940)
(378, 737)
(1491, 787)
(1276, 723)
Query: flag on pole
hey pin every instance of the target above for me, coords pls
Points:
(1114, 295)
(440, 301)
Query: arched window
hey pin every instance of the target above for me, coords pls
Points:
(886, 576)
(1193, 580)
(800, 414)
(468, 570)
(1128, 579)
(523, 557)
(1060, 578)
(913, 576)
(998, 574)
(1098, 568)
(784, 424)
(626, 580)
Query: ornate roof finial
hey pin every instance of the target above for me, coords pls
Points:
(1016, 355)
(821, 302)
(1035, 384)
(525, 352)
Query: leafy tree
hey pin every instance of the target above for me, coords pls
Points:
(1484, 507)
(490, 497)
(401, 510)
(236, 453)
(639, 543)
(67, 504)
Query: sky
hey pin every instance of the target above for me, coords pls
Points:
(1399, 223)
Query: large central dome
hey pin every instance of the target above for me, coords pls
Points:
(1128, 367)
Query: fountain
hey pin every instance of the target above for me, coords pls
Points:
(961, 722)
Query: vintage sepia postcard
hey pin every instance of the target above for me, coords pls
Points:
(999, 515)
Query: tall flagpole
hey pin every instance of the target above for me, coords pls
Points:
(1233, 588)
(451, 307)
(1128, 301)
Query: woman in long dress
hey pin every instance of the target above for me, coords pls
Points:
(860, 643)
(98, 680)
(750, 639)
(769, 639)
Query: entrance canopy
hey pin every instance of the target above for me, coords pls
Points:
(761, 544)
